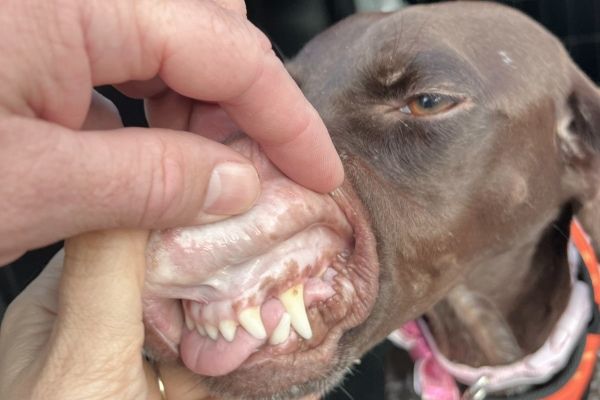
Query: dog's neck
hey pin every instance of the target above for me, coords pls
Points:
(508, 306)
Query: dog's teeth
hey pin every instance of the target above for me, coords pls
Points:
(212, 331)
(189, 323)
(293, 302)
(282, 331)
(200, 329)
(227, 328)
(194, 309)
(251, 321)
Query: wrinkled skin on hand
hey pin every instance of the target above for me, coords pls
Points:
(58, 181)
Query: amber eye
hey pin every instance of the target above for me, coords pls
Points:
(427, 104)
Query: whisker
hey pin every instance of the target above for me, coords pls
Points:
(560, 230)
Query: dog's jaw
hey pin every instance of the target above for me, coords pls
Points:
(296, 256)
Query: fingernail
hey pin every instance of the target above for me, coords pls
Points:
(233, 188)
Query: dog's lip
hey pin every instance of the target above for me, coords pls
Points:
(321, 360)
(363, 269)
(314, 364)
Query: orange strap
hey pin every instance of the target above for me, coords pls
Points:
(579, 382)
(581, 241)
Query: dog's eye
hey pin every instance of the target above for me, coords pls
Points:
(428, 104)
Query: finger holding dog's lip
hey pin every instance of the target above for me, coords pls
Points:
(173, 111)
(85, 308)
(261, 97)
(70, 186)
(272, 111)
(86, 305)
(146, 178)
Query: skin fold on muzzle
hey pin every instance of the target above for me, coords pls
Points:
(469, 138)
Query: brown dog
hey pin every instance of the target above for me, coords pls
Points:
(469, 140)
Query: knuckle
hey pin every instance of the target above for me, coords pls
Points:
(239, 44)
(163, 198)
(219, 30)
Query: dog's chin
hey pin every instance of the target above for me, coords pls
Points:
(289, 376)
(339, 294)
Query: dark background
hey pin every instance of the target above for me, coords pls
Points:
(290, 24)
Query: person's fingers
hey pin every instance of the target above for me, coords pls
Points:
(102, 114)
(90, 309)
(143, 89)
(201, 49)
(26, 327)
(173, 111)
(274, 112)
(169, 110)
(99, 317)
(102, 281)
(133, 177)
(262, 99)
(182, 384)
(238, 6)
(211, 121)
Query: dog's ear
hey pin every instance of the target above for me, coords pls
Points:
(579, 141)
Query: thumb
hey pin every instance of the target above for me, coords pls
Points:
(102, 281)
(99, 318)
(57, 183)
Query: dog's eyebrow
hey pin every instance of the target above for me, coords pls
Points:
(428, 69)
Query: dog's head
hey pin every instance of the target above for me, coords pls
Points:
(467, 134)
(467, 131)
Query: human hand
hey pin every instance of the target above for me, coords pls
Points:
(71, 335)
(201, 66)
(76, 332)
(79, 334)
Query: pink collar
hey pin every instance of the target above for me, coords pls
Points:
(436, 377)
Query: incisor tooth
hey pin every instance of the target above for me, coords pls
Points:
(228, 328)
(188, 321)
(293, 302)
(282, 331)
(200, 329)
(212, 331)
(251, 321)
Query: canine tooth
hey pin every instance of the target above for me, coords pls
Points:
(293, 302)
(251, 321)
(200, 329)
(212, 331)
(282, 330)
(227, 328)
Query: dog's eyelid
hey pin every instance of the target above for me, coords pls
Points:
(437, 91)
(430, 103)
